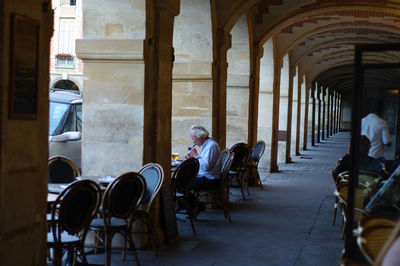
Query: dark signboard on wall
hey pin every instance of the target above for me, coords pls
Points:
(24, 53)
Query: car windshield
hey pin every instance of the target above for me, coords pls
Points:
(57, 112)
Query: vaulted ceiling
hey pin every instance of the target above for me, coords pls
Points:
(320, 35)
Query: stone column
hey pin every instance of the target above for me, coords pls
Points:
(222, 43)
(319, 114)
(313, 115)
(323, 113)
(334, 112)
(328, 112)
(158, 56)
(292, 72)
(331, 115)
(275, 110)
(340, 109)
(256, 53)
(298, 122)
(308, 88)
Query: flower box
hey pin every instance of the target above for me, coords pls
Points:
(64, 56)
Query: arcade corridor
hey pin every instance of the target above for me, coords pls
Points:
(286, 224)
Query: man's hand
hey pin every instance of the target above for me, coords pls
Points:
(192, 154)
(388, 144)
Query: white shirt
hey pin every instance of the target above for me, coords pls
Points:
(209, 160)
(377, 132)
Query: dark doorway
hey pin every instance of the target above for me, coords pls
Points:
(66, 85)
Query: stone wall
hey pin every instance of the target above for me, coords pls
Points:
(113, 94)
(24, 144)
(192, 78)
(238, 84)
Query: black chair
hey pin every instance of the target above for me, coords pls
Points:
(256, 153)
(62, 170)
(71, 214)
(224, 156)
(239, 164)
(220, 194)
(153, 174)
(182, 179)
(117, 210)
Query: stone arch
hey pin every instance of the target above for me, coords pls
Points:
(66, 84)
(238, 84)
(192, 77)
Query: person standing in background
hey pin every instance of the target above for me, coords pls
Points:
(376, 129)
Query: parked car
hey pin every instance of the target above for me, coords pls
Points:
(65, 124)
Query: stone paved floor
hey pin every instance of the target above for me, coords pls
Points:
(286, 223)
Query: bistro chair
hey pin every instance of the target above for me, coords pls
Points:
(220, 195)
(71, 214)
(153, 174)
(372, 240)
(118, 206)
(256, 153)
(182, 179)
(224, 156)
(359, 201)
(374, 220)
(62, 170)
(239, 164)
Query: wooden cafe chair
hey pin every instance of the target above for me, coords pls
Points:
(153, 174)
(62, 170)
(256, 154)
(182, 179)
(118, 206)
(220, 194)
(239, 165)
(71, 214)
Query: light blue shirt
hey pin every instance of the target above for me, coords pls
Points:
(210, 160)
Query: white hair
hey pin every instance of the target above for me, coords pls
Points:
(199, 131)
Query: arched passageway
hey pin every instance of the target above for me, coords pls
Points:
(145, 62)
(65, 85)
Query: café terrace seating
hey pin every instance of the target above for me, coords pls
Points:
(62, 170)
(256, 153)
(71, 214)
(220, 195)
(118, 206)
(182, 180)
(359, 201)
(153, 174)
(239, 164)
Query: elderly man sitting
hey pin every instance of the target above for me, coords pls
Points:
(209, 159)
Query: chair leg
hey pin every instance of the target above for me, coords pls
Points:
(132, 245)
(335, 206)
(226, 212)
(259, 181)
(153, 236)
(189, 212)
(241, 187)
(108, 243)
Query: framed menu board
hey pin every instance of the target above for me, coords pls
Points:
(24, 54)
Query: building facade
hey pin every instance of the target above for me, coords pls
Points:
(65, 68)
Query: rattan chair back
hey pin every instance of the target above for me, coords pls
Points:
(122, 196)
(258, 151)
(74, 207)
(153, 174)
(372, 240)
(224, 156)
(242, 156)
(62, 170)
(185, 174)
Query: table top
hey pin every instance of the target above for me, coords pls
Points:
(57, 188)
(51, 197)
